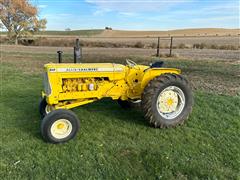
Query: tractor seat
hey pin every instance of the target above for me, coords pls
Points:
(157, 64)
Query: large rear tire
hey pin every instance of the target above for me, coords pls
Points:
(167, 101)
(59, 126)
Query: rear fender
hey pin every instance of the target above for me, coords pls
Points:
(154, 72)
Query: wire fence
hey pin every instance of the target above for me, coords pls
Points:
(147, 42)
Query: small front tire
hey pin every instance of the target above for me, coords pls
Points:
(42, 108)
(59, 126)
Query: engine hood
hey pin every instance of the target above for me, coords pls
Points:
(84, 67)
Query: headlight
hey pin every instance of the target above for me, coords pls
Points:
(46, 85)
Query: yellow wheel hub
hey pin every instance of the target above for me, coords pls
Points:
(61, 128)
(168, 101)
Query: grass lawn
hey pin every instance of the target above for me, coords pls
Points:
(114, 143)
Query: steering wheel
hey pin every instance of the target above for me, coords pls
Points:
(131, 63)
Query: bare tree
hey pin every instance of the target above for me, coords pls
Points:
(20, 18)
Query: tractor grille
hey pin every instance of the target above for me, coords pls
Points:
(46, 85)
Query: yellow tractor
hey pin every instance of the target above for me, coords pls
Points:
(165, 95)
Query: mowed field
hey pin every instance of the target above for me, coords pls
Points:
(114, 143)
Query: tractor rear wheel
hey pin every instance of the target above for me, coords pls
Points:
(59, 126)
(167, 100)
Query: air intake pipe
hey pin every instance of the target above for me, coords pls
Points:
(77, 52)
(59, 56)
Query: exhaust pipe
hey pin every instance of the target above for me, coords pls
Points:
(59, 56)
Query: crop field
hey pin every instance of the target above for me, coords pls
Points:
(101, 53)
(114, 143)
(224, 39)
(125, 33)
(215, 42)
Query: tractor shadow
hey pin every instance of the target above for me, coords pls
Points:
(111, 109)
(21, 99)
(25, 114)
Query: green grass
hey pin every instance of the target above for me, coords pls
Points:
(114, 143)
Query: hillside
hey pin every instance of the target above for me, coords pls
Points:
(126, 33)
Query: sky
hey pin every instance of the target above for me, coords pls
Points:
(139, 14)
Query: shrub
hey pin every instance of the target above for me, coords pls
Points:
(213, 46)
(139, 44)
(108, 28)
(203, 45)
(4, 40)
(182, 46)
(199, 46)
(228, 47)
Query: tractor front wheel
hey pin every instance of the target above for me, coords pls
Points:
(44, 108)
(167, 100)
(59, 126)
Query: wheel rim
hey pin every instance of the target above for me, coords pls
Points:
(48, 109)
(61, 128)
(170, 102)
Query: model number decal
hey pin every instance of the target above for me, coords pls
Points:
(76, 69)
(87, 69)
(52, 70)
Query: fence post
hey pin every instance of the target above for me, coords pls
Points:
(77, 52)
(171, 44)
(158, 46)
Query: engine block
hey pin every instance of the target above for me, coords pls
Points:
(79, 84)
